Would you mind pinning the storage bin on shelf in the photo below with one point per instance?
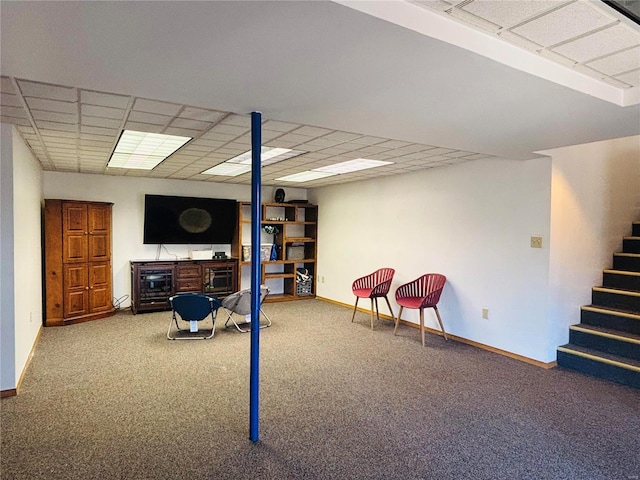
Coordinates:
(303, 282)
(295, 252)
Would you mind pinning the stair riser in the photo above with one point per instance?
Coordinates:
(597, 369)
(616, 322)
(635, 231)
(624, 282)
(630, 264)
(630, 303)
(631, 245)
(605, 344)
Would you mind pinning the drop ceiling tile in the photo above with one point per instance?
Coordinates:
(17, 112)
(290, 140)
(150, 118)
(44, 90)
(203, 115)
(100, 111)
(217, 137)
(618, 63)
(54, 116)
(99, 130)
(507, 14)
(143, 127)
(393, 144)
(84, 142)
(471, 19)
(59, 140)
(575, 19)
(632, 78)
(190, 124)
(183, 132)
(153, 106)
(104, 99)
(6, 86)
(342, 136)
(600, 43)
(57, 133)
(51, 105)
(100, 138)
(283, 127)
(439, 151)
(101, 122)
(233, 130)
(10, 100)
(368, 140)
(15, 120)
(56, 126)
(311, 131)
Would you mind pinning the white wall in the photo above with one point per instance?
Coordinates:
(127, 196)
(21, 297)
(8, 377)
(595, 195)
(471, 222)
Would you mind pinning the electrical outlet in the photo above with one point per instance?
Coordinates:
(323, 279)
(485, 313)
(536, 241)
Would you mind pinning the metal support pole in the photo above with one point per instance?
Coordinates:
(256, 206)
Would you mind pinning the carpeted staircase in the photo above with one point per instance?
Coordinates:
(606, 342)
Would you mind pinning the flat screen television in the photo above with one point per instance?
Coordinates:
(188, 220)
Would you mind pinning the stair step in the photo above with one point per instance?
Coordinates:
(606, 340)
(635, 229)
(631, 244)
(626, 261)
(615, 298)
(599, 364)
(610, 318)
(621, 279)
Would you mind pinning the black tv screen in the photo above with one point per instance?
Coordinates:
(188, 220)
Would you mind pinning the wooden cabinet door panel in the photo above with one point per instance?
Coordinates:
(99, 287)
(74, 217)
(99, 247)
(99, 219)
(74, 232)
(76, 293)
(75, 248)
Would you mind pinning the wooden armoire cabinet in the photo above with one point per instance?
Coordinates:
(77, 259)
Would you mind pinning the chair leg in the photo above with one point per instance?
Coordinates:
(354, 309)
(422, 325)
(440, 322)
(397, 320)
(376, 302)
(390, 309)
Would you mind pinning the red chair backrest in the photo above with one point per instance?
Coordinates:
(379, 281)
(428, 286)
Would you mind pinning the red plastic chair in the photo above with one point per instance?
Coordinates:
(423, 292)
(374, 285)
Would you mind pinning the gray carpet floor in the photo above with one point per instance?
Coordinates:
(114, 399)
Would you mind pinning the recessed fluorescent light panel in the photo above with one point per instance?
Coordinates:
(335, 169)
(144, 151)
(352, 166)
(305, 176)
(242, 163)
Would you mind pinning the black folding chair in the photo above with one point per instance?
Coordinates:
(188, 310)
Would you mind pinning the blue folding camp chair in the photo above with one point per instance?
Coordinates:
(188, 310)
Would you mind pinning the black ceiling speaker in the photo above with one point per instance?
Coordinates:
(279, 196)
